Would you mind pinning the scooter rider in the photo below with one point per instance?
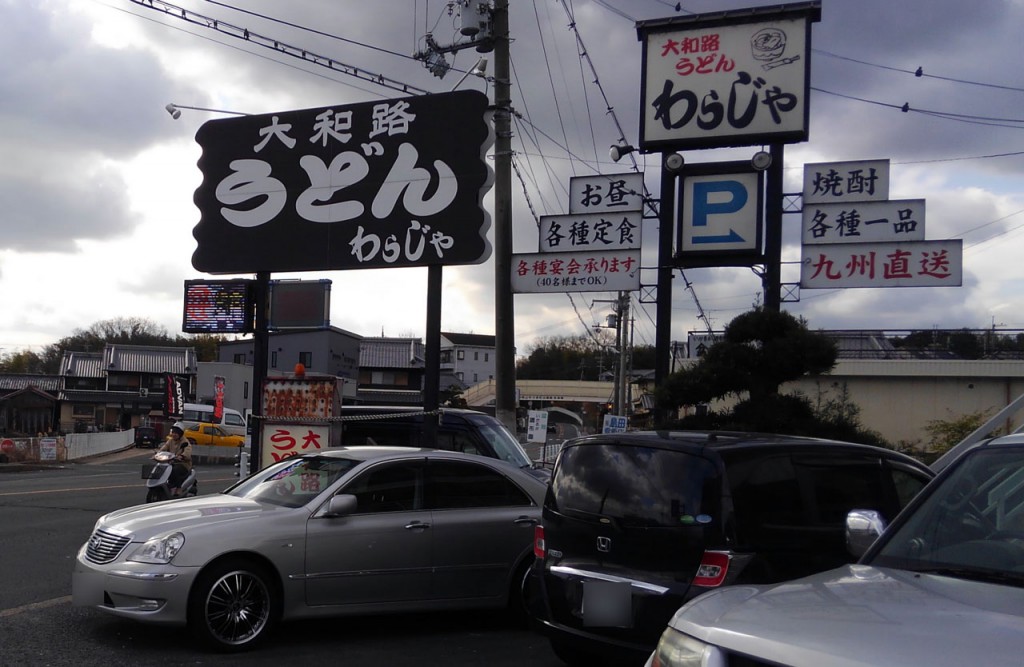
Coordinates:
(178, 445)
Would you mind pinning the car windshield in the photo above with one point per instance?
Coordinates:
(969, 526)
(293, 482)
(505, 445)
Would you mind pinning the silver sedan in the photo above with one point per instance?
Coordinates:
(343, 531)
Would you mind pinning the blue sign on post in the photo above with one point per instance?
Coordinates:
(721, 209)
(614, 424)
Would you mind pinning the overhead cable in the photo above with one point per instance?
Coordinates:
(278, 46)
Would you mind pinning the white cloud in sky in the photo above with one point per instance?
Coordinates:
(96, 180)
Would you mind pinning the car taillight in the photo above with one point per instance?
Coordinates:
(538, 542)
(712, 570)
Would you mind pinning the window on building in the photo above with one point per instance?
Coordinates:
(245, 390)
(238, 358)
(487, 356)
(446, 356)
(475, 378)
(273, 359)
(306, 359)
(461, 354)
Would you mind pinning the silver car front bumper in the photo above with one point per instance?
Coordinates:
(141, 591)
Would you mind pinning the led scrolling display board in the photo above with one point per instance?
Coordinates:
(218, 306)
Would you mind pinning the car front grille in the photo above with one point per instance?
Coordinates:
(104, 547)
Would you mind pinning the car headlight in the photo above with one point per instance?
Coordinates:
(678, 650)
(159, 549)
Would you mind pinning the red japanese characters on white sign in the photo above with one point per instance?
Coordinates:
(609, 271)
(911, 264)
(281, 441)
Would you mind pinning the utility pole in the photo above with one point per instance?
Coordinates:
(496, 37)
(504, 305)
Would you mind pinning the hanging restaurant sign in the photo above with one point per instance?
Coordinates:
(734, 78)
(395, 183)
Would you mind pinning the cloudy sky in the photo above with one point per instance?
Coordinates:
(97, 179)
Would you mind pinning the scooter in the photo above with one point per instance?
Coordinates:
(158, 476)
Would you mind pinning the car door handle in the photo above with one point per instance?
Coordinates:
(417, 524)
(530, 521)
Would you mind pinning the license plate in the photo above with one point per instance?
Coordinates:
(607, 604)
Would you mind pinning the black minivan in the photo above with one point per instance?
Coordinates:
(635, 524)
(455, 429)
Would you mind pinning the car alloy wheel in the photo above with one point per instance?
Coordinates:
(232, 606)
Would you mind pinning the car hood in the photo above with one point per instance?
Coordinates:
(860, 616)
(144, 521)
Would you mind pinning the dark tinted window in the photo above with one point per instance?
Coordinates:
(454, 485)
(383, 432)
(389, 487)
(635, 485)
(785, 499)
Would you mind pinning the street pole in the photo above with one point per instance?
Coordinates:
(504, 305)
(623, 314)
(261, 347)
(772, 280)
(663, 310)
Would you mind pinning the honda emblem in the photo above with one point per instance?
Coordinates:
(604, 544)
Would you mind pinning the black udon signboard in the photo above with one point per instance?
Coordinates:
(379, 184)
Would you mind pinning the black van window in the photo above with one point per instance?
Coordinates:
(841, 483)
(383, 433)
(639, 486)
(457, 441)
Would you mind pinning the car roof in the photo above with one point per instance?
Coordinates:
(372, 452)
(412, 409)
(728, 441)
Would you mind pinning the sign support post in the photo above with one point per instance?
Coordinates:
(663, 310)
(772, 279)
(261, 347)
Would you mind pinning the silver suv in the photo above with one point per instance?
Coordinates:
(943, 586)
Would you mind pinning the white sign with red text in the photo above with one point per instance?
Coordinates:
(605, 271)
(721, 85)
(910, 264)
(281, 441)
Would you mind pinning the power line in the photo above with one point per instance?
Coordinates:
(919, 72)
(946, 115)
(278, 46)
(312, 30)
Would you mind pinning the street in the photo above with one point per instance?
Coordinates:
(48, 513)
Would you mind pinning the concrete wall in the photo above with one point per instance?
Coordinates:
(84, 445)
(904, 396)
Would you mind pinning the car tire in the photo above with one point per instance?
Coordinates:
(233, 606)
(517, 609)
(573, 656)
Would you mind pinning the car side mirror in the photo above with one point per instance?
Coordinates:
(341, 505)
(862, 529)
